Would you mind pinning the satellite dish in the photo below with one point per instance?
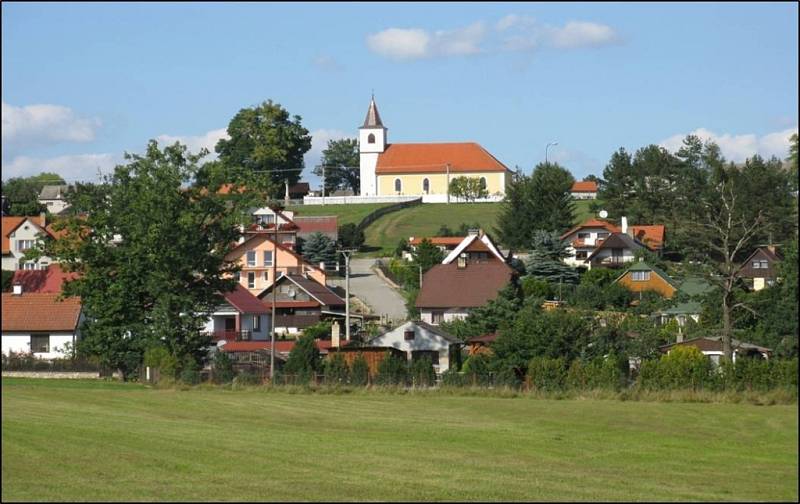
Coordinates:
(603, 214)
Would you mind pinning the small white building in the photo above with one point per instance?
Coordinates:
(418, 340)
(39, 323)
(52, 196)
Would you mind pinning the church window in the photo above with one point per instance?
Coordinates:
(426, 186)
(371, 138)
(398, 186)
(483, 182)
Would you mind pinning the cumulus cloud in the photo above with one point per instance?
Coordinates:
(80, 167)
(512, 32)
(195, 143)
(45, 124)
(737, 148)
(416, 43)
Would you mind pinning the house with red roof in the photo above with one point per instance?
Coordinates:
(49, 280)
(584, 189)
(18, 235)
(301, 301)
(584, 240)
(325, 224)
(39, 323)
(422, 169)
(240, 317)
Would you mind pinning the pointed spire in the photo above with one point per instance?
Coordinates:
(373, 119)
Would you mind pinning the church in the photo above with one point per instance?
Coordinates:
(422, 169)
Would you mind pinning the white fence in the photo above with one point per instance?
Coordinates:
(426, 198)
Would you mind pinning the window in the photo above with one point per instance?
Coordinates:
(256, 323)
(40, 343)
(433, 355)
(266, 276)
(251, 257)
(483, 182)
(44, 266)
(581, 254)
(24, 245)
(251, 280)
(437, 317)
(583, 236)
(267, 258)
(371, 138)
(398, 186)
(756, 264)
(426, 186)
(764, 264)
(408, 335)
(640, 276)
(29, 266)
(602, 236)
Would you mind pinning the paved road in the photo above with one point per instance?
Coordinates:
(370, 288)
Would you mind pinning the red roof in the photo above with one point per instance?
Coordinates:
(447, 286)
(50, 280)
(39, 312)
(439, 240)
(584, 186)
(652, 236)
(281, 346)
(9, 224)
(326, 224)
(434, 157)
(311, 287)
(593, 223)
(244, 302)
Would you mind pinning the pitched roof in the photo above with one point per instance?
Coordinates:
(652, 236)
(281, 346)
(244, 302)
(714, 344)
(592, 223)
(447, 286)
(9, 224)
(326, 224)
(437, 240)
(50, 280)
(643, 266)
(463, 157)
(468, 241)
(775, 256)
(316, 290)
(584, 186)
(243, 247)
(373, 118)
(616, 240)
(53, 192)
(695, 286)
(436, 330)
(39, 312)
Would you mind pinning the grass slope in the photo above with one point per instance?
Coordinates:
(346, 213)
(98, 441)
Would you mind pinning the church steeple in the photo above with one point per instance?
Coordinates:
(373, 119)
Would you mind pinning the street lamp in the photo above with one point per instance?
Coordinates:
(545, 150)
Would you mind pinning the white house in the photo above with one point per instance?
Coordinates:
(18, 235)
(241, 317)
(418, 340)
(584, 189)
(39, 323)
(52, 196)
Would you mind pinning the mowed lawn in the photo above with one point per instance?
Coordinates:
(98, 441)
(346, 213)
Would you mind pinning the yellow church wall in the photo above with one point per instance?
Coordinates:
(411, 183)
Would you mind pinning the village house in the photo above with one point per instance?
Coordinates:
(39, 323)
(21, 234)
(325, 224)
(53, 197)
(240, 317)
(585, 239)
(444, 243)
(417, 340)
(49, 280)
(761, 267)
(300, 301)
(584, 189)
(422, 169)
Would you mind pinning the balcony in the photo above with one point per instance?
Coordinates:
(299, 321)
(231, 335)
(610, 262)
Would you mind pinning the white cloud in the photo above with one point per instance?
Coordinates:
(524, 33)
(82, 167)
(416, 43)
(581, 34)
(737, 148)
(45, 124)
(195, 143)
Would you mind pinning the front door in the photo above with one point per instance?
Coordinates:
(230, 324)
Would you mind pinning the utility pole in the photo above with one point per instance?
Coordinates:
(274, 293)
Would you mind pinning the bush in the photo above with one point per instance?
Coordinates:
(158, 357)
(452, 378)
(336, 370)
(608, 372)
(392, 371)
(757, 374)
(350, 236)
(223, 368)
(548, 374)
(476, 370)
(190, 374)
(683, 367)
(246, 378)
(536, 287)
(304, 359)
(359, 372)
(422, 374)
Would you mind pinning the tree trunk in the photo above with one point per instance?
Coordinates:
(726, 328)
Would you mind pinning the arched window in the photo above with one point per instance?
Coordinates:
(426, 186)
(371, 138)
(483, 182)
(398, 186)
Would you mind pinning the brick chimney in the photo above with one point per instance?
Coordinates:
(461, 262)
(335, 331)
(624, 225)
(43, 218)
(17, 289)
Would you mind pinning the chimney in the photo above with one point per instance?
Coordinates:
(624, 224)
(43, 218)
(335, 334)
(462, 261)
(771, 248)
(17, 289)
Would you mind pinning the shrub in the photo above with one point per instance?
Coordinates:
(548, 374)
(683, 367)
(350, 236)
(608, 372)
(536, 287)
(223, 368)
(452, 378)
(304, 359)
(190, 374)
(246, 378)
(392, 371)
(476, 370)
(422, 374)
(359, 372)
(336, 370)
(158, 357)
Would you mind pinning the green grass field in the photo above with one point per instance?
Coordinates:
(346, 213)
(65, 440)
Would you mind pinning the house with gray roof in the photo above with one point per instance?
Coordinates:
(418, 339)
(53, 197)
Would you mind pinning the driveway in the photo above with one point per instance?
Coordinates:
(370, 288)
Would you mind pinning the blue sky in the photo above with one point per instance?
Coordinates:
(82, 83)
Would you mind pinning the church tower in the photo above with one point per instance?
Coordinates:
(371, 142)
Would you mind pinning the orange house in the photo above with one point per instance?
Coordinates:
(642, 277)
(256, 254)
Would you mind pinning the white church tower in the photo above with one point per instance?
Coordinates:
(371, 142)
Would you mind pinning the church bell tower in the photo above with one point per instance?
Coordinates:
(371, 142)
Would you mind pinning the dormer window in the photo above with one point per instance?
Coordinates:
(371, 138)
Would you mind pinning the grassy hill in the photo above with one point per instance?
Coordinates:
(66, 440)
(346, 213)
